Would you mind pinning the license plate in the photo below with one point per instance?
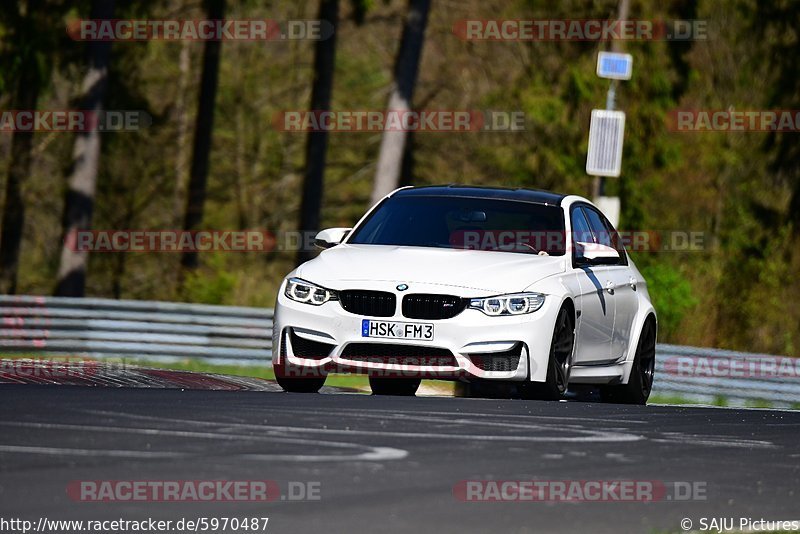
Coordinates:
(390, 329)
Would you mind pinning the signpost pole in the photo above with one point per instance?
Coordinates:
(599, 182)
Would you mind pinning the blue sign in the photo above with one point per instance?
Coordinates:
(614, 66)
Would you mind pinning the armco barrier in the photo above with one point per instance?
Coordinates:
(708, 374)
(143, 330)
(162, 331)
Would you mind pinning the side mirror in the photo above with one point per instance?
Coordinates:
(595, 254)
(331, 237)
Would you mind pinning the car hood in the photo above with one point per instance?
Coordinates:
(489, 271)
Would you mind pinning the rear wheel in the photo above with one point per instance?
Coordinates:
(404, 387)
(559, 364)
(640, 383)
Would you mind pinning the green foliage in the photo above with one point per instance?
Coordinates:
(740, 189)
(211, 284)
(672, 296)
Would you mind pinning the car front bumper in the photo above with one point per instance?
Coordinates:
(472, 338)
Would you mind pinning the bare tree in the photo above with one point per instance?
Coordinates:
(406, 68)
(317, 142)
(79, 202)
(198, 175)
(26, 97)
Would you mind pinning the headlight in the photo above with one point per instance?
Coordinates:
(299, 290)
(516, 304)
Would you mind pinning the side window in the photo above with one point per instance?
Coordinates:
(604, 233)
(601, 233)
(580, 226)
(616, 241)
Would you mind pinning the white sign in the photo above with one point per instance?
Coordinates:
(610, 206)
(614, 66)
(605, 143)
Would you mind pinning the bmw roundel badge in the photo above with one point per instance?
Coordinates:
(402, 287)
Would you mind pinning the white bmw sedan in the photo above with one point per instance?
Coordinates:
(519, 287)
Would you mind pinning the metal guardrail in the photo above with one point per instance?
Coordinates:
(164, 331)
(708, 374)
(143, 330)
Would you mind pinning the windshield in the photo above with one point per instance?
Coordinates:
(465, 223)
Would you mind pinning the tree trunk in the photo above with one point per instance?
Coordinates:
(26, 97)
(198, 175)
(317, 141)
(18, 170)
(393, 143)
(79, 202)
(182, 120)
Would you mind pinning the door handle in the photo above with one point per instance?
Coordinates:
(632, 283)
(610, 287)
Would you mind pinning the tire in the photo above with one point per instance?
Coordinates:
(487, 389)
(403, 387)
(299, 380)
(640, 383)
(559, 363)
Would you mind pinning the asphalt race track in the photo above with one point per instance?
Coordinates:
(387, 464)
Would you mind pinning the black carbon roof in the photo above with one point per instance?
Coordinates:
(503, 193)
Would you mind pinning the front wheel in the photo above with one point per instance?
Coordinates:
(559, 363)
(404, 387)
(298, 379)
(640, 383)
